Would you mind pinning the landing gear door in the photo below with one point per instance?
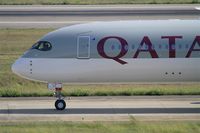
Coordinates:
(83, 47)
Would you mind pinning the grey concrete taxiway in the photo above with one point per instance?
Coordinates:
(119, 108)
(22, 16)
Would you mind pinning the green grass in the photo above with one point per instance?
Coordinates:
(93, 2)
(101, 127)
(15, 41)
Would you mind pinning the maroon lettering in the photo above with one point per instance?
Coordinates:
(124, 50)
(196, 40)
(149, 49)
(172, 42)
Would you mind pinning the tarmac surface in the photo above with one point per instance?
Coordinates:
(22, 16)
(117, 108)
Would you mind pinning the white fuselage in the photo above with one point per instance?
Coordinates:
(105, 70)
(136, 51)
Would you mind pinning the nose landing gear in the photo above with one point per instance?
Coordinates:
(60, 103)
(57, 87)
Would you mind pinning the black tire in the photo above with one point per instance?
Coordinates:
(60, 104)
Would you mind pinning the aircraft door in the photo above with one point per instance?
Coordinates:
(83, 47)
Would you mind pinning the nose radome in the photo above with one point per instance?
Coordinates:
(18, 67)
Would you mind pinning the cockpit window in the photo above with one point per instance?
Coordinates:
(42, 46)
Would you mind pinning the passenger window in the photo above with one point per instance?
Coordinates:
(42, 46)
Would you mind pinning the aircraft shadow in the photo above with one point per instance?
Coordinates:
(195, 103)
(102, 111)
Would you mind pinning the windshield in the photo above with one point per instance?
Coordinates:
(42, 46)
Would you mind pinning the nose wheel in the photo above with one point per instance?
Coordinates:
(60, 104)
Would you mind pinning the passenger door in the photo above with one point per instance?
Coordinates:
(83, 47)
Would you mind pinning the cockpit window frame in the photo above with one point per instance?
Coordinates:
(39, 43)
